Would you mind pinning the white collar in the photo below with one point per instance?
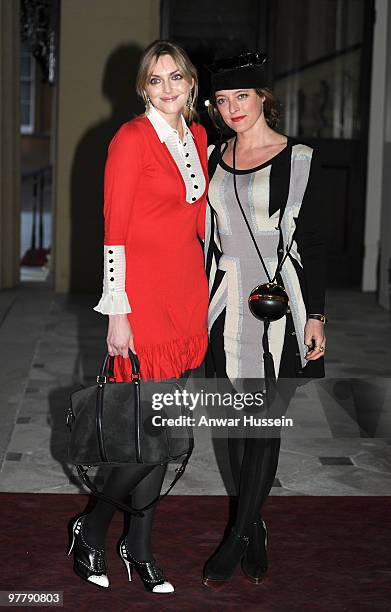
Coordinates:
(162, 127)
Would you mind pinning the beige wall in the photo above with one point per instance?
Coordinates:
(90, 31)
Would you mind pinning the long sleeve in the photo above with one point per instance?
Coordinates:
(310, 238)
(122, 176)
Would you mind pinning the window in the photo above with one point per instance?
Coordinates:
(27, 91)
(318, 68)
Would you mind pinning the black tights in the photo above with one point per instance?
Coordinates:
(143, 483)
(254, 465)
(253, 462)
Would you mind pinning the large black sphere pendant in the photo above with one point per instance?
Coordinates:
(268, 302)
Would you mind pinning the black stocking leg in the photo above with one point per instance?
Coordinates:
(140, 531)
(256, 487)
(120, 482)
(260, 462)
(257, 476)
(250, 504)
(235, 453)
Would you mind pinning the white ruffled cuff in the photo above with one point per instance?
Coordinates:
(113, 303)
(114, 299)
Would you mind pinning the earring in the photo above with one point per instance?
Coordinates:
(147, 102)
(190, 102)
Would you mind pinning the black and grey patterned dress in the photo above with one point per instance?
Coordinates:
(283, 204)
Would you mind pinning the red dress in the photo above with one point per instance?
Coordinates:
(145, 209)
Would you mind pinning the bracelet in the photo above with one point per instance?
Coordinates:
(319, 317)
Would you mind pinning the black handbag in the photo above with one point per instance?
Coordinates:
(112, 424)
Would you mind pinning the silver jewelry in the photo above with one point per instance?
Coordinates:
(147, 102)
(190, 101)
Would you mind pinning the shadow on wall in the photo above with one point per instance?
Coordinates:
(118, 87)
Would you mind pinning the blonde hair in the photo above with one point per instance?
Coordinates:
(185, 66)
(271, 109)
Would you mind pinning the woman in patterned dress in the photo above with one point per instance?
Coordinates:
(278, 183)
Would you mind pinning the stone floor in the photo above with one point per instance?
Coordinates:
(340, 445)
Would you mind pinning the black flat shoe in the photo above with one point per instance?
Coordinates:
(254, 562)
(222, 564)
(88, 563)
(151, 575)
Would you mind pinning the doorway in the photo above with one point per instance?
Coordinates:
(319, 63)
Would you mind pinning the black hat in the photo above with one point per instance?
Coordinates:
(244, 71)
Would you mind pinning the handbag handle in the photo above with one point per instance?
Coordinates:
(108, 365)
(83, 473)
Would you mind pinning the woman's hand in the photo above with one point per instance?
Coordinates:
(119, 336)
(315, 339)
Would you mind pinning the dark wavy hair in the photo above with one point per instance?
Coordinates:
(271, 109)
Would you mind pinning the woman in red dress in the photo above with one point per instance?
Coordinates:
(155, 290)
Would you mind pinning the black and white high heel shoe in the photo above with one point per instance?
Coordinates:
(151, 575)
(88, 563)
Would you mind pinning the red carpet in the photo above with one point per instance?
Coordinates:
(326, 553)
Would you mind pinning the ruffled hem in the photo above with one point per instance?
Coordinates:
(113, 303)
(169, 360)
